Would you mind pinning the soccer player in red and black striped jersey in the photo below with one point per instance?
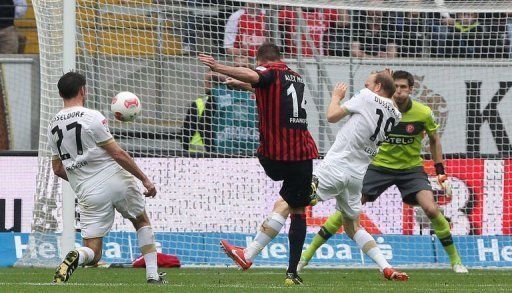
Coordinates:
(286, 150)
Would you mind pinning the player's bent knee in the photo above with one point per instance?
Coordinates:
(431, 211)
(281, 207)
(141, 221)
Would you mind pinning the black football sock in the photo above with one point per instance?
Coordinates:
(296, 237)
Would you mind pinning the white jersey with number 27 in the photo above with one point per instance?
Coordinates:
(76, 135)
(371, 119)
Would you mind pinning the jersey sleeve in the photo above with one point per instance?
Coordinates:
(267, 77)
(53, 146)
(99, 129)
(431, 124)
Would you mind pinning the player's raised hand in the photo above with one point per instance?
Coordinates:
(389, 71)
(150, 188)
(339, 91)
(207, 60)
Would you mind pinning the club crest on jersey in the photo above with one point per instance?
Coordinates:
(261, 68)
(409, 128)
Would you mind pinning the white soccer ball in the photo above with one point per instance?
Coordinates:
(125, 106)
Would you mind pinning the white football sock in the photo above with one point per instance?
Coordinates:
(146, 240)
(363, 238)
(274, 221)
(85, 255)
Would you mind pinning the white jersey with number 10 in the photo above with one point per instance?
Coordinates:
(76, 135)
(371, 119)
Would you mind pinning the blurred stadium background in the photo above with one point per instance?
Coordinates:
(458, 51)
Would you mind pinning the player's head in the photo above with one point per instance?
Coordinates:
(404, 82)
(268, 52)
(71, 85)
(381, 83)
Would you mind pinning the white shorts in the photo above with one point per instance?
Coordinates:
(334, 183)
(118, 192)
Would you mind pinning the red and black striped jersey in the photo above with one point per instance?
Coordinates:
(283, 126)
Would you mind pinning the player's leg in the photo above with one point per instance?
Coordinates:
(275, 221)
(349, 203)
(417, 190)
(88, 254)
(269, 229)
(328, 229)
(130, 204)
(146, 239)
(374, 183)
(96, 219)
(296, 191)
(425, 198)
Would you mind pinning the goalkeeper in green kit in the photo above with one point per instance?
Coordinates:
(399, 163)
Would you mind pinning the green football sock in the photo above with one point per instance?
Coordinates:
(442, 229)
(330, 227)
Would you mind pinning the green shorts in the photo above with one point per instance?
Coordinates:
(409, 182)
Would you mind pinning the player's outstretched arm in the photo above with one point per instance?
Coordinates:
(238, 85)
(124, 159)
(58, 169)
(243, 74)
(335, 112)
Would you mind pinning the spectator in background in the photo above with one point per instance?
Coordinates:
(316, 25)
(197, 134)
(9, 10)
(373, 35)
(462, 39)
(338, 38)
(410, 33)
(245, 31)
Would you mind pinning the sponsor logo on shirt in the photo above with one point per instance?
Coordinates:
(399, 140)
(76, 165)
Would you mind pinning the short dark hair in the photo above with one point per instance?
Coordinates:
(386, 81)
(401, 74)
(70, 84)
(268, 52)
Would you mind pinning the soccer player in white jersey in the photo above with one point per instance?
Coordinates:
(372, 114)
(101, 174)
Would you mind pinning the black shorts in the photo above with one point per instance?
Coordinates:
(296, 177)
(409, 182)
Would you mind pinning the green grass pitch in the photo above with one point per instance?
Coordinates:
(255, 280)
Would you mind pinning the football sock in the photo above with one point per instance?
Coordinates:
(330, 227)
(269, 229)
(85, 255)
(367, 244)
(296, 237)
(147, 246)
(442, 230)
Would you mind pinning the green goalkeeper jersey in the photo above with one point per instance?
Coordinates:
(402, 148)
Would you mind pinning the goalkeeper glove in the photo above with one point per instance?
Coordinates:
(442, 179)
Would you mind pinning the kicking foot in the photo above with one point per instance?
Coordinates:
(236, 253)
(392, 274)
